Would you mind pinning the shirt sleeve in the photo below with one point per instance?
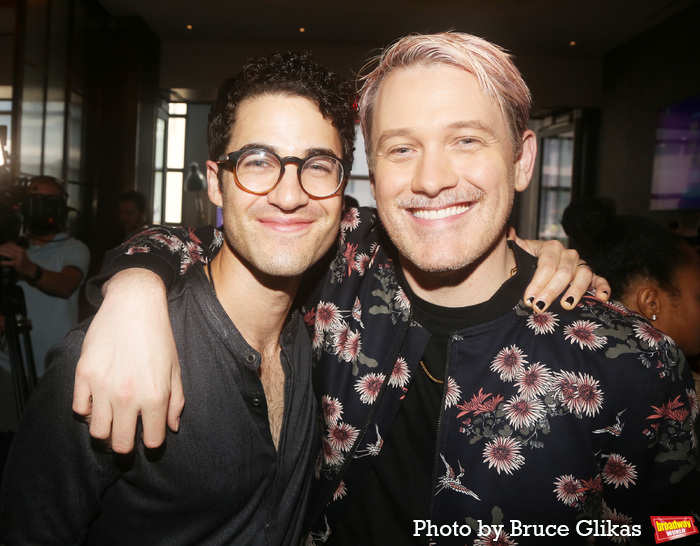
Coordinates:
(167, 251)
(55, 476)
(651, 468)
(77, 255)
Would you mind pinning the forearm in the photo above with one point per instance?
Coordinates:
(129, 365)
(60, 284)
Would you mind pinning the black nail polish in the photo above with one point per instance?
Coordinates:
(606, 292)
(540, 305)
(530, 300)
(570, 300)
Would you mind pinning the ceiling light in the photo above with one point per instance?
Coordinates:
(572, 43)
(189, 27)
(302, 29)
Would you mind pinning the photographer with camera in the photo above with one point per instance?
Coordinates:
(50, 266)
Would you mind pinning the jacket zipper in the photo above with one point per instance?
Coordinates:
(368, 421)
(436, 455)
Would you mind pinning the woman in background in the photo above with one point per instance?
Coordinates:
(651, 270)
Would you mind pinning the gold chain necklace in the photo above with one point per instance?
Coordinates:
(429, 375)
(513, 271)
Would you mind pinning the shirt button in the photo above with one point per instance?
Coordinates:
(250, 357)
(256, 402)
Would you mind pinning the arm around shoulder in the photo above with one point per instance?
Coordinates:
(129, 365)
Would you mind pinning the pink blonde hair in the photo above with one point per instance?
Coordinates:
(496, 73)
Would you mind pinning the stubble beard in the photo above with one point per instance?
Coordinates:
(265, 258)
(432, 255)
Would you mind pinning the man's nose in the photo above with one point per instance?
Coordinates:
(434, 173)
(288, 193)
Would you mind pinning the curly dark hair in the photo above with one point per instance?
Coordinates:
(293, 73)
(623, 248)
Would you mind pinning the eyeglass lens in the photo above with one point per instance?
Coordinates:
(259, 170)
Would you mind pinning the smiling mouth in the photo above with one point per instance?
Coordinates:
(432, 214)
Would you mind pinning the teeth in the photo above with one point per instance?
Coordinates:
(439, 214)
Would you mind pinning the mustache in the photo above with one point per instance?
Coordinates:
(445, 198)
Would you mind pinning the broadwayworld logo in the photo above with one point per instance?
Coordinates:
(668, 528)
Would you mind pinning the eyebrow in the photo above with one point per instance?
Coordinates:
(470, 124)
(308, 152)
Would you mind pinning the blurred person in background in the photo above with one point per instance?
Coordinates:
(652, 271)
(133, 212)
(50, 267)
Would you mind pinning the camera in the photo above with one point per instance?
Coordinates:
(38, 214)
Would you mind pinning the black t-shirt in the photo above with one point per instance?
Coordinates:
(399, 487)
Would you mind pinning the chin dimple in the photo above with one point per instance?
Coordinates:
(431, 214)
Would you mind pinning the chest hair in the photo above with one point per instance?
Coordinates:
(272, 377)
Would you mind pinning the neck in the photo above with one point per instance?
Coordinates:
(38, 240)
(473, 284)
(256, 303)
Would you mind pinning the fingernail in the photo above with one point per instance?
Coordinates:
(606, 292)
(530, 300)
(540, 305)
(570, 300)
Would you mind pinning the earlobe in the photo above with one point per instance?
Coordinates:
(648, 302)
(371, 186)
(525, 163)
(213, 187)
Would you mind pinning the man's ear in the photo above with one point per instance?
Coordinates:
(649, 302)
(371, 185)
(213, 187)
(525, 163)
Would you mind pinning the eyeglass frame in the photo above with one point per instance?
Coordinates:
(232, 159)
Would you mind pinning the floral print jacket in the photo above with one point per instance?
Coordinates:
(548, 418)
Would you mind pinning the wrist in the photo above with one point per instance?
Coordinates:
(36, 276)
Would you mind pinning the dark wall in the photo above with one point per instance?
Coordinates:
(659, 67)
(124, 144)
(85, 98)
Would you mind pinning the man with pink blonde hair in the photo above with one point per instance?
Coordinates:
(498, 77)
(452, 411)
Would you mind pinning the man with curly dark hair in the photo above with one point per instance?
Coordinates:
(281, 144)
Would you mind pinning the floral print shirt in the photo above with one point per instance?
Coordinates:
(580, 418)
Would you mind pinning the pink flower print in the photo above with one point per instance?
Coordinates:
(453, 393)
(522, 412)
(342, 436)
(543, 323)
(401, 299)
(646, 332)
(340, 491)
(350, 220)
(332, 409)
(568, 489)
(503, 454)
(534, 381)
(400, 374)
(619, 472)
(331, 456)
(579, 393)
(582, 332)
(352, 346)
(508, 363)
(369, 386)
(328, 316)
(362, 262)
